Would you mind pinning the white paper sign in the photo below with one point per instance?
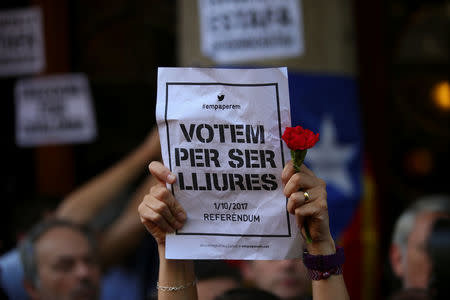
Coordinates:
(240, 30)
(21, 42)
(54, 110)
(220, 132)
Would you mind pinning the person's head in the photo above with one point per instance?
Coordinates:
(285, 278)
(438, 248)
(408, 254)
(214, 277)
(59, 261)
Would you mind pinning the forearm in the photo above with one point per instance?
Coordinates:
(160, 213)
(176, 273)
(332, 288)
(81, 205)
(126, 232)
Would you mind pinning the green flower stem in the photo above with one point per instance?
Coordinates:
(298, 156)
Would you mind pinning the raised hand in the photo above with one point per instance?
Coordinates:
(159, 211)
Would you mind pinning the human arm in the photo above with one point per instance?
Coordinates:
(85, 202)
(314, 211)
(125, 233)
(161, 213)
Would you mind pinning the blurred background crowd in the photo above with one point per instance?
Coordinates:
(371, 77)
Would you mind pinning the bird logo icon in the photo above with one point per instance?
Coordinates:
(220, 97)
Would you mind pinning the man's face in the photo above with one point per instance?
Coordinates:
(67, 268)
(285, 278)
(416, 263)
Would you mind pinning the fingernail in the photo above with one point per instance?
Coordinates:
(178, 225)
(171, 177)
(181, 216)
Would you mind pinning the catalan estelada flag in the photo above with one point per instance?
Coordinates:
(328, 104)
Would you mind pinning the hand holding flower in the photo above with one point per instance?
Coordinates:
(299, 140)
(314, 212)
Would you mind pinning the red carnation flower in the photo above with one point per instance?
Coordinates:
(298, 138)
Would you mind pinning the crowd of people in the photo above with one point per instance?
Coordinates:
(65, 257)
(123, 253)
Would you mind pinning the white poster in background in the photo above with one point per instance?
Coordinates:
(242, 30)
(21, 42)
(54, 110)
(220, 132)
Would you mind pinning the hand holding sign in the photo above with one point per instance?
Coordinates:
(159, 211)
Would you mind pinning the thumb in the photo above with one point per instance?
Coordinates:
(161, 172)
(163, 175)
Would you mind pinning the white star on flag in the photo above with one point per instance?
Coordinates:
(329, 160)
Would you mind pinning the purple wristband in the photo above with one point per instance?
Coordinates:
(324, 263)
(318, 275)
